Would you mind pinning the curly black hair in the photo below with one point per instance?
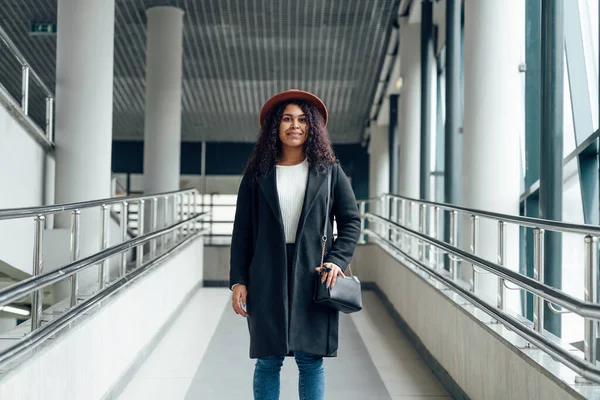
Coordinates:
(267, 150)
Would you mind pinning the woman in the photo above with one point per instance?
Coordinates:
(276, 243)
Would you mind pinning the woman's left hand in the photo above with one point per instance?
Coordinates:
(331, 276)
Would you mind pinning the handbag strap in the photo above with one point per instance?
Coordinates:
(324, 237)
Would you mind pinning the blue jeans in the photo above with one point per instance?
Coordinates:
(311, 383)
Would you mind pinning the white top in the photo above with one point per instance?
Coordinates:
(291, 188)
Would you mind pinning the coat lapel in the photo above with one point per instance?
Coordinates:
(268, 185)
(313, 188)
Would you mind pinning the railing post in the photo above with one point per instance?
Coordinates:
(165, 237)
(538, 274)
(408, 220)
(182, 215)
(192, 211)
(38, 267)
(421, 230)
(103, 270)
(501, 258)
(154, 226)
(140, 248)
(25, 90)
(453, 242)
(362, 207)
(402, 222)
(123, 226)
(474, 234)
(175, 198)
(75, 230)
(393, 217)
(590, 271)
(435, 256)
(50, 118)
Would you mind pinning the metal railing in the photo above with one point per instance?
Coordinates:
(28, 74)
(177, 226)
(396, 219)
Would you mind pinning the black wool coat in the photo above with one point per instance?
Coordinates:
(283, 318)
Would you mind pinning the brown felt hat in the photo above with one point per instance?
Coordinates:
(293, 94)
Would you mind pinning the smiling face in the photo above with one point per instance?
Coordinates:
(293, 128)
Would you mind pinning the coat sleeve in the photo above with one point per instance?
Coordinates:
(347, 216)
(242, 246)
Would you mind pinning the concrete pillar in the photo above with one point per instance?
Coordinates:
(409, 114)
(84, 100)
(493, 120)
(84, 117)
(379, 166)
(409, 121)
(162, 129)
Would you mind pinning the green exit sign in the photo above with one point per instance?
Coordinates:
(43, 29)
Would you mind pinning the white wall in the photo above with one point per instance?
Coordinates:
(85, 362)
(22, 176)
(218, 184)
(479, 356)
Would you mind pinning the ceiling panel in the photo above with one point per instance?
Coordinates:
(237, 53)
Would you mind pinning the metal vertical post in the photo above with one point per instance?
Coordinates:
(409, 225)
(140, 248)
(103, 270)
(192, 211)
(154, 226)
(453, 242)
(501, 258)
(393, 141)
(183, 200)
(165, 237)
(474, 234)
(38, 267)
(538, 274)
(175, 197)
(75, 230)
(123, 226)
(25, 90)
(402, 221)
(435, 257)
(421, 230)
(452, 166)
(426, 34)
(50, 118)
(551, 144)
(393, 217)
(590, 291)
(362, 207)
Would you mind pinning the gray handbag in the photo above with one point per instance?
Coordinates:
(346, 295)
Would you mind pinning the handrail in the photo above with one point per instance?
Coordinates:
(13, 48)
(34, 283)
(14, 213)
(582, 367)
(523, 221)
(583, 308)
(37, 336)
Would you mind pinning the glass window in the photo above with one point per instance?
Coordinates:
(568, 125)
(588, 13)
(572, 251)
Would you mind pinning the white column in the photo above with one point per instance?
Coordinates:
(379, 161)
(84, 99)
(162, 130)
(493, 120)
(84, 117)
(409, 113)
(379, 167)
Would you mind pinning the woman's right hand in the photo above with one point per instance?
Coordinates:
(238, 298)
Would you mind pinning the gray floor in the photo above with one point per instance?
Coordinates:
(226, 371)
